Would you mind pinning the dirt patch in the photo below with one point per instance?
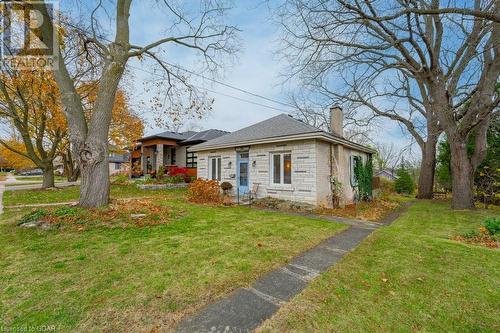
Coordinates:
(119, 214)
(375, 210)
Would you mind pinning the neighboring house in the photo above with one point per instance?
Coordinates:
(286, 159)
(118, 161)
(169, 149)
(388, 174)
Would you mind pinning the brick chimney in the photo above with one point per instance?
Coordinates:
(337, 121)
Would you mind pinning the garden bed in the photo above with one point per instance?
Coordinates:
(119, 214)
(487, 235)
(372, 211)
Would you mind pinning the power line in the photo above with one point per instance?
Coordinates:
(207, 78)
(216, 92)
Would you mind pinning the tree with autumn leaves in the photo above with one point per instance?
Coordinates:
(31, 104)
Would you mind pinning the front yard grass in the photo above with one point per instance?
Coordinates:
(139, 279)
(404, 278)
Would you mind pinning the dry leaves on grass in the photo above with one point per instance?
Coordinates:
(482, 240)
(366, 211)
(120, 213)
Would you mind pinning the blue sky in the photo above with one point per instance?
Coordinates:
(256, 68)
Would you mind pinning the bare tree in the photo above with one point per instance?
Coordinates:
(388, 156)
(203, 33)
(429, 67)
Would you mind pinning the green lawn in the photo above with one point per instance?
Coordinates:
(39, 178)
(404, 278)
(136, 279)
(72, 193)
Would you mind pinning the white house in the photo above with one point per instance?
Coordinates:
(285, 158)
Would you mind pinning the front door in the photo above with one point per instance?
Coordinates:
(242, 175)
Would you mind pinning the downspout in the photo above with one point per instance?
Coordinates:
(331, 175)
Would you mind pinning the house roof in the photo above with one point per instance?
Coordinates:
(188, 137)
(204, 136)
(390, 174)
(282, 127)
(169, 135)
(119, 158)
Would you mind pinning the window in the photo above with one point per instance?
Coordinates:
(117, 166)
(191, 160)
(353, 162)
(281, 165)
(214, 168)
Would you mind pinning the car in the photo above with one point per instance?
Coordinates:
(33, 172)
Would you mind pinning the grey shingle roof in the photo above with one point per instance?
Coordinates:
(119, 158)
(204, 136)
(188, 136)
(280, 126)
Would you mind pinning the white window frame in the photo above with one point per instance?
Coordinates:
(218, 167)
(282, 168)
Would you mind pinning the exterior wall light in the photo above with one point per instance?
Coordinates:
(254, 164)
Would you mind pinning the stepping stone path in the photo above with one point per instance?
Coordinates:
(246, 308)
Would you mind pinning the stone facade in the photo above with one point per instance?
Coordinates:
(311, 170)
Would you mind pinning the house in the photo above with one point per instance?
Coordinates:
(285, 158)
(118, 161)
(169, 149)
(386, 173)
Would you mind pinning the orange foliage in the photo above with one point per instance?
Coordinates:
(14, 160)
(205, 191)
(126, 127)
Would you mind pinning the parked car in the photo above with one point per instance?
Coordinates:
(33, 172)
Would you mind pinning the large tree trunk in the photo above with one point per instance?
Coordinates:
(94, 190)
(427, 169)
(48, 176)
(462, 175)
(92, 155)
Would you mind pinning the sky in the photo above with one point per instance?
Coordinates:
(257, 68)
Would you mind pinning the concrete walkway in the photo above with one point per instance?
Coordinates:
(246, 308)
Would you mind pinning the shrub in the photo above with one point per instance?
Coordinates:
(404, 183)
(363, 173)
(67, 211)
(386, 185)
(175, 171)
(33, 216)
(204, 191)
(174, 179)
(120, 178)
(492, 225)
(160, 173)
